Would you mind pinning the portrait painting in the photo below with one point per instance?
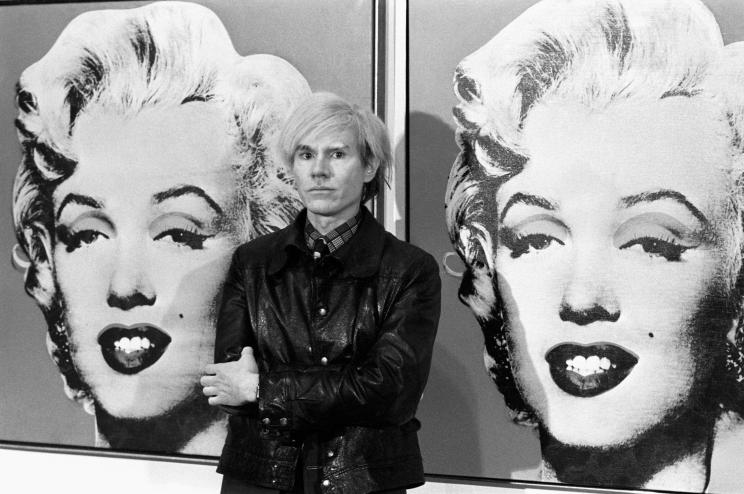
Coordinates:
(140, 151)
(594, 209)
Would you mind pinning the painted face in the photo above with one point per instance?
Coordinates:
(613, 262)
(329, 175)
(141, 251)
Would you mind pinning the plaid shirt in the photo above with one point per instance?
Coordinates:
(335, 238)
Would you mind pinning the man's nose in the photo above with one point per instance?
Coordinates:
(320, 167)
(589, 295)
(130, 285)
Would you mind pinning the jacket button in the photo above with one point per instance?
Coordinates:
(330, 454)
(324, 361)
(326, 483)
(283, 421)
(266, 421)
(322, 311)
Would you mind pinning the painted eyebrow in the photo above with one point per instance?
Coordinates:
(183, 190)
(530, 199)
(658, 195)
(77, 199)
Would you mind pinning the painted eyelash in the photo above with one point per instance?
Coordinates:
(519, 243)
(672, 252)
(73, 239)
(196, 242)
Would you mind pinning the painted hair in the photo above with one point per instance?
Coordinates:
(596, 52)
(158, 56)
(323, 113)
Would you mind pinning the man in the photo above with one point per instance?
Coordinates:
(326, 328)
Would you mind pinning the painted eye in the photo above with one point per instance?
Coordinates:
(527, 244)
(656, 247)
(74, 240)
(188, 238)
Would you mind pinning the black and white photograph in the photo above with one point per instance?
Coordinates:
(425, 246)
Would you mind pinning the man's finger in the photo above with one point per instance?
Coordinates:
(208, 380)
(210, 391)
(215, 400)
(248, 359)
(210, 369)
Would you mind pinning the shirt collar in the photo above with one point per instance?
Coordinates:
(360, 255)
(337, 237)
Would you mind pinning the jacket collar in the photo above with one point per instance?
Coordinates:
(360, 256)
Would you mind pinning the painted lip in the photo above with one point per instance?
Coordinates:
(589, 370)
(131, 349)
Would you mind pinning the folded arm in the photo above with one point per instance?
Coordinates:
(384, 387)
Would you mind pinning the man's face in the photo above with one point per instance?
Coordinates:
(329, 175)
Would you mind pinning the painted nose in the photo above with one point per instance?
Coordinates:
(589, 295)
(130, 286)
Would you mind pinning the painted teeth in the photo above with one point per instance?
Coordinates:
(134, 344)
(586, 366)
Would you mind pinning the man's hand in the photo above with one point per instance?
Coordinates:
(232, 383)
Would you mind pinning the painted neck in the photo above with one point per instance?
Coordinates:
(192, 428)
(208, 441)
(688, 474)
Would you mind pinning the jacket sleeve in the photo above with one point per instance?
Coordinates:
(384, 387)
(233, 324)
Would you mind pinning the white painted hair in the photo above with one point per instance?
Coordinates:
(125, 61)
(596, 53)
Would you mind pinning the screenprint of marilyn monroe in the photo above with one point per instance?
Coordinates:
(597, 202)
(147, 158)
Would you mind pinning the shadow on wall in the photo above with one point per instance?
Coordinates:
(466, 429)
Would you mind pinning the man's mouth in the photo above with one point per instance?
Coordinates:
(589, 370)
(130, 349)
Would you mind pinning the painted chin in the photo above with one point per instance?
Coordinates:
(131, 349)
(589, 370)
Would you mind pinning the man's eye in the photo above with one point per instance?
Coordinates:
(304, 156)
(337, 155)
(656, 247)
(527, 244)
(188, 238)
(73, 240)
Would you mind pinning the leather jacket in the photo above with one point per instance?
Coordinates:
(344, 348)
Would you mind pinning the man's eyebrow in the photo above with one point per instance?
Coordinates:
(662, 194)
(77, 199)
(301, 148)
(182, 190)
(530, 199)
